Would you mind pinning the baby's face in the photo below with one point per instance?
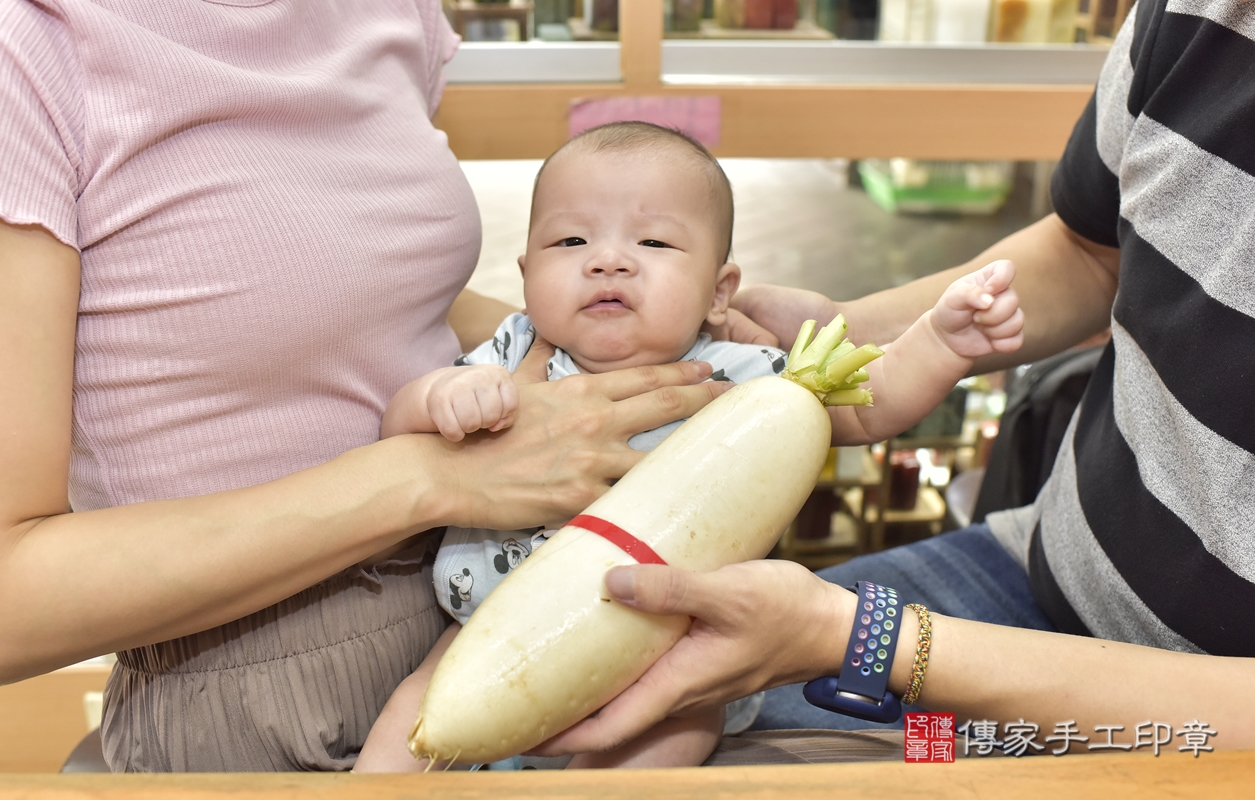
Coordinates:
(623, 257)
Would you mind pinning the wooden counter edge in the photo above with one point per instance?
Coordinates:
(1112, 776)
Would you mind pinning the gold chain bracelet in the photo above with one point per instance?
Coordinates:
(921, 654)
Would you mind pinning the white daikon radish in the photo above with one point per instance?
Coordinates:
(547, 647)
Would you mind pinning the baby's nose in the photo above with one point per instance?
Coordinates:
(611, 261)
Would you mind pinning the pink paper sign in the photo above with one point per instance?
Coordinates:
(698, 116)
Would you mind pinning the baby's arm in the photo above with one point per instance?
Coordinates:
(977, 315)
(385, 748)
(453, 401)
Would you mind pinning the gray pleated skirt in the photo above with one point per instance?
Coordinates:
(293, 687)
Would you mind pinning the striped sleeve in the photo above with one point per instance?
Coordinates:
(40, 121)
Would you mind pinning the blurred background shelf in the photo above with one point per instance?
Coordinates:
(803, 29)
(893, 492)
(500, 21)
(930, 508)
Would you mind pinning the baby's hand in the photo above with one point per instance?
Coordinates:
(980, 313)
(463, 400)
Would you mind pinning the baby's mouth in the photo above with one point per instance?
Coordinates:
(607, 301)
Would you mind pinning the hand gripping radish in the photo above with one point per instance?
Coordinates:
(547, 647)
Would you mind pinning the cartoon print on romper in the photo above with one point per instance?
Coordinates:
(513, 551)
(777, 362)
(540, 537)
(512, 554)
(500, 346)
(460, 588)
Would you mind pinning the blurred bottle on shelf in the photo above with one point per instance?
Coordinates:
(1034, 21)
(784, 14)
(602, 15)
(857, 19)
(952, 21)
(684, 15)
(730, 13)
(1023, 21)
(814, 520)
(959, 21)
(903, 480)
(756, 14)
(1063, 21)
(906, 21)
(759, 13)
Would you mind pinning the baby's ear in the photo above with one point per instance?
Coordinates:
(523, 264)
(726, 282)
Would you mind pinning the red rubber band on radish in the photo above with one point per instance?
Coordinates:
(618, 537)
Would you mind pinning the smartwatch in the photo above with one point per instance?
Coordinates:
(862, 690)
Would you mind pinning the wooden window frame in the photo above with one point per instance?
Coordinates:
(970, 121)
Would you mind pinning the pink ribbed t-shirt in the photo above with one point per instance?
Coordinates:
(271, 229)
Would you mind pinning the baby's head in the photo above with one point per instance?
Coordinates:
(627, 254)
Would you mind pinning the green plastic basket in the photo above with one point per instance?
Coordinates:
(909, 186)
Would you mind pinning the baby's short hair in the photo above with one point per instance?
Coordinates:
(646, 135)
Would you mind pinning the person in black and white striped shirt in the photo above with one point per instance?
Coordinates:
(1142, 542)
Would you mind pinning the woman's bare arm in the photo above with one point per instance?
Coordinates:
(81, 584)
(1065, 282)
(77, 585)
(474, 318)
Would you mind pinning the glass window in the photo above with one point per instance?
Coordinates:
(881, 41)
(524, 20)
(940, 21)
(534, 41)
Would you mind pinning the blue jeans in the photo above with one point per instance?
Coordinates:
(964, 573)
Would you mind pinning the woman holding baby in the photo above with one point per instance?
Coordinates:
(221, 255)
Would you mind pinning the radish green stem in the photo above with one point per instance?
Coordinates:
(830, 367)
(803, 336)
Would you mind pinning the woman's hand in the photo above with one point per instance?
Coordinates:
(756, 625)
(568, 443)
(781, 310)
(739, 328)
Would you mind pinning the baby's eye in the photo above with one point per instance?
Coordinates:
(654, 243)
(571, 241)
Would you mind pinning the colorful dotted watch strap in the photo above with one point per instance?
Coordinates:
(869, 655)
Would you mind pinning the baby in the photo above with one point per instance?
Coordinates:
(627, 258)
